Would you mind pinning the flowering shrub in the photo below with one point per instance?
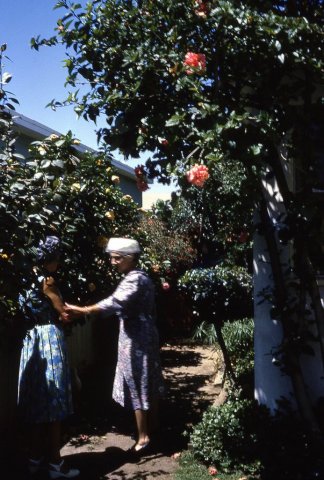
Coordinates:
(197, 175)
(196, 63)
(166, 255)
(56, 190)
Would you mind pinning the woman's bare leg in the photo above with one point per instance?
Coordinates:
(141, 417)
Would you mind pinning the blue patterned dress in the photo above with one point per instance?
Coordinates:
(44, 388)
(138, 378)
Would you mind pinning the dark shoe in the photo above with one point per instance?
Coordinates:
(139, 450)
(59, 471)
(34, 466)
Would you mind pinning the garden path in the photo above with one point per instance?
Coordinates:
(190, 377)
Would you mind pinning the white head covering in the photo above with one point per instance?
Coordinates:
(124, 246)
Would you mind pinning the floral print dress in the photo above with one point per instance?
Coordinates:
(138, 378)
(44, 386)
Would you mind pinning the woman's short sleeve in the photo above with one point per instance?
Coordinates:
(124, 295)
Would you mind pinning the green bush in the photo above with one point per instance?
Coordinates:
(55, 190)
(220, 293)
(239, 338)
(241, 435)
(227, 436)
(205, 333)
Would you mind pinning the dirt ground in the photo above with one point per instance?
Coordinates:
(99, 446)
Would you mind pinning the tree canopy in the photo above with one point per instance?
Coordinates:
(212, 87)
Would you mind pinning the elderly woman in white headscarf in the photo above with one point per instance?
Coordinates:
(138, 382)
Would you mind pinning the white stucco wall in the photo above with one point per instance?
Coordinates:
(271, 383)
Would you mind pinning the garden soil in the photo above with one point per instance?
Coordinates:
(99, 444)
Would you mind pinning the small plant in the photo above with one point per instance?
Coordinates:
(239, 337)
(205, 333)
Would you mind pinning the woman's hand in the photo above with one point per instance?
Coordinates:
(65, 317)
(74, 311)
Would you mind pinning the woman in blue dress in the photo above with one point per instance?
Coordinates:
(138, 382)
(44, 389)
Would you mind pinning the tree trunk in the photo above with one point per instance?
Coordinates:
(227, 360)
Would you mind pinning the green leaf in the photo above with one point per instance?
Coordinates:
(174, 120)
(59, 143)
(45, 164)
(58, 163)
(6, 77)
(59, 4)
(38, 176)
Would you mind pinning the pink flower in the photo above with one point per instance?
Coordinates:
(212, 471)
(243, 237)
(202, 9)
(139, 171)
(166, 286)
(142, 185)
(196, 62)
(197, 175)
(163, 141)
(176, 455)
(141, 181)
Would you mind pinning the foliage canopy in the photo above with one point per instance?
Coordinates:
(217, 83)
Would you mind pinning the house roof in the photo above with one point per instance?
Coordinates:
(37, 130)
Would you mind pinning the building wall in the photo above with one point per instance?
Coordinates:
(130, 188)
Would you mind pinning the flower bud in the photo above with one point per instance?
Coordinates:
(110, 215)
(115, 179)
(165, 286)
(76, 187)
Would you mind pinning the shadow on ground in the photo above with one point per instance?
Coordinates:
(182, 407)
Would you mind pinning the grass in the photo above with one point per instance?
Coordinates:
(191, 469)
